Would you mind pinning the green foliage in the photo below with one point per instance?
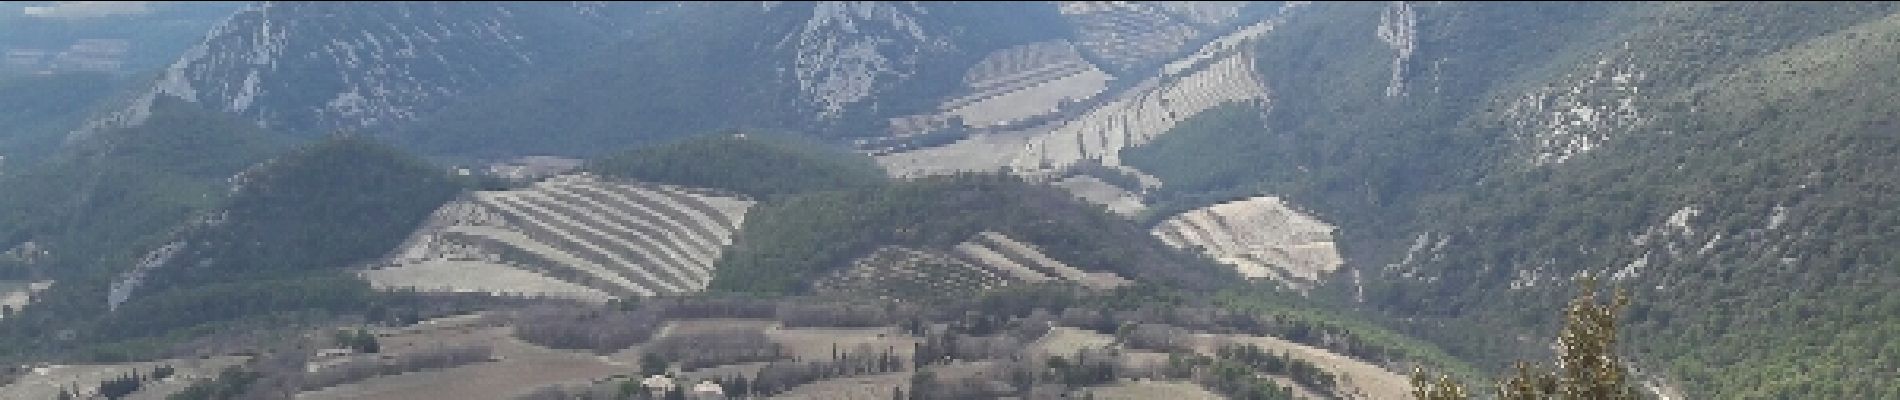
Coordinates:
(1588, 367)
(1754, 106)
(1783, 122)
(37, 112)
(786, 243)
(272, 253)
(762, 166)
(360, 340)
(96, 201)
(332, 204)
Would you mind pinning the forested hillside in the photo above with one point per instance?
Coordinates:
(1709, 156)
(791, 241)
(1401, 183)
(36, 112)
(758, 165)
(276, 247)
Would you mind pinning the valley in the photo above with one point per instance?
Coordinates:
(888, 200)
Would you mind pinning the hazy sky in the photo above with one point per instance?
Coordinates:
(87, 9)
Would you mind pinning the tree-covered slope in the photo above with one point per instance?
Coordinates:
(37, 111)
(785, 244)
(1721, 159)
(91, 203)
(763, 166)
(276, 247)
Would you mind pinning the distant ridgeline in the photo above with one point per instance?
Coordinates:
(1443, 169)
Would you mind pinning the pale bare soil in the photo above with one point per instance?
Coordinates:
(520, 367)
(1149, 390)
(46, 382)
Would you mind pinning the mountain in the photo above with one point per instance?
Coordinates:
(315, 68)
(1404, 183)
(1499, 150)
(123, 38)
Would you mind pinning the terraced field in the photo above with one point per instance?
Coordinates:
(1261, 237)
(1141, 114)
(1126, 35)
(988, 260)
(1217, 73)
(574, 236)
(1025, 81)
(1094, 190)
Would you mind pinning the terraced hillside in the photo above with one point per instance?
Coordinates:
(986, 261)
(1219, 72)
(576, 236)
(287, 66)
(1128, 35)
(1262, 237)
(1025, 81)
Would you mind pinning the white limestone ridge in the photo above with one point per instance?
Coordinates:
(1262, 237)
(1579, 112)
(1398, 28)
(576, 236)
(121, 289)
(841, 51)
(321, 67)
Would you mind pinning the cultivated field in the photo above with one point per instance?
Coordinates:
(1025, 81)
(519, 367)
(574, 236)
(1357, 379)
(1128, 34)
(987, 260)
(1261, 237)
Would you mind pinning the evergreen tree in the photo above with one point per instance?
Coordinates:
(1587, 365)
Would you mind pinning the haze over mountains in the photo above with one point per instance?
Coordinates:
(1366, 187)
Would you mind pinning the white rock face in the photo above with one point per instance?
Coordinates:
(301, 66)
(1261, 237)
(1398, 27)
(847, 48)
(575, 236)
(18, 295)
(121, 289)
(1581, 112)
